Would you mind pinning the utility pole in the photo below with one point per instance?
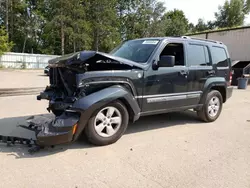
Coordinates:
(11, 28)
(7, 18)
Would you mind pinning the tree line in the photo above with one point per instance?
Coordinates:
(66, 26)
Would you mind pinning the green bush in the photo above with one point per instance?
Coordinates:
(5, 46)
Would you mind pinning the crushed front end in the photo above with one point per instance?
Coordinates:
(61, 94)
(50, 129)
(79, 84)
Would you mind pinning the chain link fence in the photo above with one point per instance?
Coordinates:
(24, 60)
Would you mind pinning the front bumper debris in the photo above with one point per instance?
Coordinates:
(49, 131)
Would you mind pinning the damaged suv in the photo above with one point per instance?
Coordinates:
(99, 94)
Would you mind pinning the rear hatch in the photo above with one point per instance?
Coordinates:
(222, 63)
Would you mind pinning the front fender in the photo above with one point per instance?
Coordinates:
(89, 104)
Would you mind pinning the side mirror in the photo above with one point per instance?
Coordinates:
(166, 61)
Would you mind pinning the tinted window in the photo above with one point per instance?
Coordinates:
(207, 55)
(175, 49)
(136, 50)
(198, 55)
(219, 56)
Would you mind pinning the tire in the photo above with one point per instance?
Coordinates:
(210, 113)
(101, 131)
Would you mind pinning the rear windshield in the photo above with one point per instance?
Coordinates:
(136, 50)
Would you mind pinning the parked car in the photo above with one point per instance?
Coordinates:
(99, 94)
(46, 70)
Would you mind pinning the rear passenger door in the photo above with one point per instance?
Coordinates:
(200, 67)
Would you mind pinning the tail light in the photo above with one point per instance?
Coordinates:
(230, 78)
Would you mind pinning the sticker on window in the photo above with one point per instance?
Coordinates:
(154, 42)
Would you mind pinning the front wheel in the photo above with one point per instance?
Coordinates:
(212, 108)
(107, 124)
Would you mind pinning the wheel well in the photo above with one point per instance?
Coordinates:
(222, 91)
(130, 110)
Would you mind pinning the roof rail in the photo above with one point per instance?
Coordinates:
(207, 40)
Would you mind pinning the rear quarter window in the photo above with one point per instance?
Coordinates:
(220, 58)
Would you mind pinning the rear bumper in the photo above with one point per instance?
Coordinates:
(229, 92)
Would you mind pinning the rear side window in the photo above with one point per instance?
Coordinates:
(198, 55)
(219, 56)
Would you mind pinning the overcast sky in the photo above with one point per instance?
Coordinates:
(195, 9)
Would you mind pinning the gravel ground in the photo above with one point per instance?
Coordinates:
(23, 78)
(174, 150)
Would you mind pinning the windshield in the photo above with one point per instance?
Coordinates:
(136, 50)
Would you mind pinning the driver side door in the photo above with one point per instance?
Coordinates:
(166, 88)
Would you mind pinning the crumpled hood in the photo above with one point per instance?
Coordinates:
(83, 57)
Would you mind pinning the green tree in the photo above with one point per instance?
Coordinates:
(201, 25)
(104, 23)
(211, 25)
(232, 13)
(58, 19)
(22, 23)
(191, 28)
(5, 46)
(140, 18)
(124, 10)
(79, 30)
(66, 28)
(156, 27)
(175, 23)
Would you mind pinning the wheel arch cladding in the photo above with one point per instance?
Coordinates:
(222, 91)
(132, 115)
(214, 83)
(89, 104)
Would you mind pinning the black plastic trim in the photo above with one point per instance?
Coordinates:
(89, 104)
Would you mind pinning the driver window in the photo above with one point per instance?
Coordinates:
(177, 50)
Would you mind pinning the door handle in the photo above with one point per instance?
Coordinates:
(183, 72)
(211, 72)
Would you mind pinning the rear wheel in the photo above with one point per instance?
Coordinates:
(107, 124)
(211, 110)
